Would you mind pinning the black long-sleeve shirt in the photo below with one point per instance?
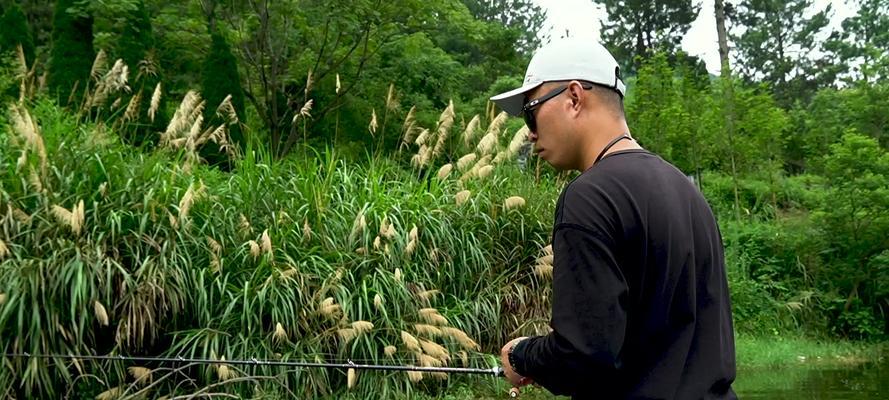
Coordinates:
(640, 300)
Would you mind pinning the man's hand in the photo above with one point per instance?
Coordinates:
(510, 374)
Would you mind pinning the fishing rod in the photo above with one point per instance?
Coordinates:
(493, 371)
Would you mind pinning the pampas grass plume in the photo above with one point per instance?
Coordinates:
(362, 326)
(266, 242)
(427, 330)
(101, 314)
(466, 160)
(307, 230)
(254, 248)
(410, 341)
(346, 334)
(485, 171)
(351, 378)
(461, 337)
(513, 202)
(548, 250)
(445, 170)
(470, 131)
(378, 301)
(155, 102)
(434, 349)
(415, 376)
(462, 196)
(543, 270)
(142, 375)
(110, 394)
(546, 259)
(372, 127)
(280, 334)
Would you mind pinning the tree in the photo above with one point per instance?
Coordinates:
(14, 31)
(854, 219)
(39, 14)
(487, 48)
(863, 43)
(521, 16)
(136, 38)
(775, 43)
(72, 53)
(279, 47)
(136, 46)
(219, 80)
(636, 28)
(653, 102)
(672, 114)
(863, 107)
(729, 96)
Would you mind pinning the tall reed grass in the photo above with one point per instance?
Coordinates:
(108, 250)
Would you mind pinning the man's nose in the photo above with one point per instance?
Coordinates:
(532, 136)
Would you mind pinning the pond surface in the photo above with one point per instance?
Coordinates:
(866, 381)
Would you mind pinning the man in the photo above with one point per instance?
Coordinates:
(640, 299)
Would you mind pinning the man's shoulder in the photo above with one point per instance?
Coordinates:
(636, 171)
(631, 179)
(618, 172)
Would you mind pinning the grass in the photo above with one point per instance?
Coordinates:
(784, 352)
(111, 250)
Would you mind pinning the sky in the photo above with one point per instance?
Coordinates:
(582, 19)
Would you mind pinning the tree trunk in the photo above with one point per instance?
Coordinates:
(729, 91)
(723, 41)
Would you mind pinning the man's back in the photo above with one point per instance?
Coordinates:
(640, 300)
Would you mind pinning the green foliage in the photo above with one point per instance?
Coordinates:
(72, 53)
(522, 17)
(182, 41)
(654, 102)
(168, 253)
(773, 31)
(637, 29)
(220, 79)
(854, 218)
(860, 48)
(39, 14)
(14, 31)
(126, 27)
(862, 107)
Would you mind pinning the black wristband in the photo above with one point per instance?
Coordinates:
(513, 358)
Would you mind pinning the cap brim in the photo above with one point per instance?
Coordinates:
(513, 100)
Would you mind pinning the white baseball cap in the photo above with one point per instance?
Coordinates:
(564, 60)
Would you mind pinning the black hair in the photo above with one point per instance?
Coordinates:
(611, 98)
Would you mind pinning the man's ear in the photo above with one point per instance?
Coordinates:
(577, 95)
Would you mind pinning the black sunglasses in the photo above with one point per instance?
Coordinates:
(529, 107)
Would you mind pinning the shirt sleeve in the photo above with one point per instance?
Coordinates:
(588, 318)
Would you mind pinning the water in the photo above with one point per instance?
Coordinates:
(867, 381)
(803, 381)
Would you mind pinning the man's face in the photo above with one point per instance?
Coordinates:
(552, 141)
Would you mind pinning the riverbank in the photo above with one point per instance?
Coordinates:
(778, 351)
